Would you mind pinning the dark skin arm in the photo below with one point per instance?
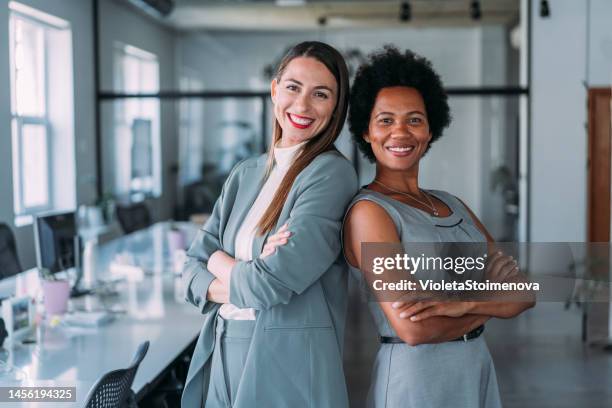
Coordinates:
(423, 310)
(368, 222)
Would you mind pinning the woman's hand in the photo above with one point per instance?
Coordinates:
(220, 264)
(281, 237)
(501, 268)
(425, 309)
(218, 292)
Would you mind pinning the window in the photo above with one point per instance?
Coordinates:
(42, 138)
(137, 137)
(191, 120)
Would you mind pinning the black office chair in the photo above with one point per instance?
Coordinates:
(9, 261)
(114, 389)
(133, 217)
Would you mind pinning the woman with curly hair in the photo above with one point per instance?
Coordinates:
(431, 354)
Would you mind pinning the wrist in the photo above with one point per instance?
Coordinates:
(213, 261)
(225, 271)
(471, 307)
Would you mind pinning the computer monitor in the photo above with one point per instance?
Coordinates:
(57, 243)
(9, 260)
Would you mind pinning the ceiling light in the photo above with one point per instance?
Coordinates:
(475, 11)
(405, 13)
(544, 9)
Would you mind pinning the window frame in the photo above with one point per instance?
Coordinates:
(18, 121)
(123, 122)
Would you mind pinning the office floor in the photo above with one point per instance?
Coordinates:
(539, 357)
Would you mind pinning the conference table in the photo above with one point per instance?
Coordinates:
(146, 302)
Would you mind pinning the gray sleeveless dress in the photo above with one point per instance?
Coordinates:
(451, 374)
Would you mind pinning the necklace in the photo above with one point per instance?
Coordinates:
(430, 206)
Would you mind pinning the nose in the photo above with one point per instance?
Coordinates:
(401, 129)
(301, 104)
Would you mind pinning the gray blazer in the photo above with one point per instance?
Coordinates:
(299, 292)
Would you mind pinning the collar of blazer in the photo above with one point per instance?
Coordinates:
(250, 183)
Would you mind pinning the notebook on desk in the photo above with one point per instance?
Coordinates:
(88, 319)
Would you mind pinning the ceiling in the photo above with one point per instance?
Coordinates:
(195, 15)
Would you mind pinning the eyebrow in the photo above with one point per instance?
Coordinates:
(316, 87)
(391, 113)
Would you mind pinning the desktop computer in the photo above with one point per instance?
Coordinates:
(58, 246)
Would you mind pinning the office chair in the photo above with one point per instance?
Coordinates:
(114, 389)
(133, 217)
(9, 261)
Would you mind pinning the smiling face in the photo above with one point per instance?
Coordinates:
(304, 99)
(398, 130)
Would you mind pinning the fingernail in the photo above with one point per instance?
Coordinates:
(403, 315)
(414, 318)
(395, 305)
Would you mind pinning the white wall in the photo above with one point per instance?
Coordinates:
(79, 14)
(600, 43)
(570, 49)
(558, 118)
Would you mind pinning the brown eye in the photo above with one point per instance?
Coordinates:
(416, 121)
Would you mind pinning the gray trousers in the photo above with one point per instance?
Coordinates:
(232, 342)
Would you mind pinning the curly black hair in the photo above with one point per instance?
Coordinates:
(388, 68)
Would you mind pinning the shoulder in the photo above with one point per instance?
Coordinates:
(368, 213)
(331, 170)
(366, 221)
(332, 161)
(244, 166)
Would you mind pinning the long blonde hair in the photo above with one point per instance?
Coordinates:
(324, 141)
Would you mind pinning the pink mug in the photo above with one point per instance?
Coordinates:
(176, 240)
(56, 294)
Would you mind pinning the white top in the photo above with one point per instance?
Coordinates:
(283, 158)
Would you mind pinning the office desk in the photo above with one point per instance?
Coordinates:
(151, 308)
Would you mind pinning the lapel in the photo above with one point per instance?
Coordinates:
(258, 243)
(248, 190)
(259, 240)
